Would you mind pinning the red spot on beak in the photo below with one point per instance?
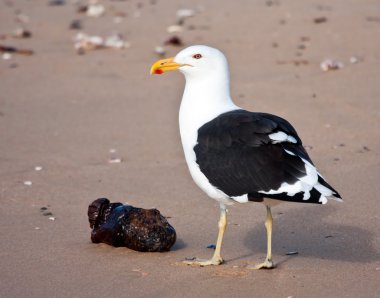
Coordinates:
(158, 71)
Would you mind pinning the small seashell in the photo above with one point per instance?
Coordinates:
(174, 29)
(6, 56)
(38, 168)
(21, 33)
(143, 274)
(22, 18)
(160, 50)
(291, 253)
(116, 41)
(28, 183)
(84, 42)
(96, 40)
(331, 64)
(184, 13)
(37, 228)
(52, 218)
(95, 10)
(355, 59)
(115, 160)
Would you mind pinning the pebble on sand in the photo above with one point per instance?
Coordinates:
(320, 20)
(14, 50)
(57, 2)
(21, 33)
(174, 41)
(76, 25)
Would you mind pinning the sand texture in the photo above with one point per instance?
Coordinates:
(70, 114)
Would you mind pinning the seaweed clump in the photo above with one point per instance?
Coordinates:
(124, 225)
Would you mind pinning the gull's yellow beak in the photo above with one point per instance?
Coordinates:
(164, 65)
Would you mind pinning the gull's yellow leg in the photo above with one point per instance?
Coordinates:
(216, 258)
(268, 263)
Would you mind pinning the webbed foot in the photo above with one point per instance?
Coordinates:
(268, 264)
(203, 262)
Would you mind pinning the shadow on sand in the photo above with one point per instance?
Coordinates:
(309, 232)
(178, 245)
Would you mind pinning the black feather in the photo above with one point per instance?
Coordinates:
(236, 154)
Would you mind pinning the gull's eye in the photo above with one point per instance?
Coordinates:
(197, 56)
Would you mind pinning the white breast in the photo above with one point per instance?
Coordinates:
(198, 107)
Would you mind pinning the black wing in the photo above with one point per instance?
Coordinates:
(238, 156)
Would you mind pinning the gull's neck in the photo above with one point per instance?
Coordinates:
(204, 99)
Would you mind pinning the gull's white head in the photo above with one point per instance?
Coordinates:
(207, 89)
(195, 61)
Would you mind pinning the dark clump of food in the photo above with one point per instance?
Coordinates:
(124, 225)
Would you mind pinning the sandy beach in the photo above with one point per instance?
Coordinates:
(64, 116)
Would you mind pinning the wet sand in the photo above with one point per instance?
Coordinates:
(65, 112)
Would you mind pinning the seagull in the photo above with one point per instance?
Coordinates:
(234, 155)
